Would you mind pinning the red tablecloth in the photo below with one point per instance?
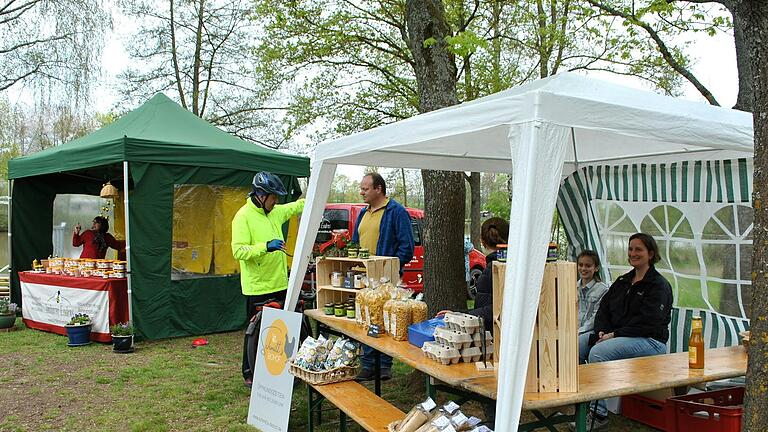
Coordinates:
(49, 301)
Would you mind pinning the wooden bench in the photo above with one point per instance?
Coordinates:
(719, 330)
(352, 399)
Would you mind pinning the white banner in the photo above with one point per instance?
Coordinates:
(52, 304)
(272, 389)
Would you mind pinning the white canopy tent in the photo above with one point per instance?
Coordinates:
(539, 132)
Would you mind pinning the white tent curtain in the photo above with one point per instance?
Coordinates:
(538, 150)
(543, 131)
(317, 194)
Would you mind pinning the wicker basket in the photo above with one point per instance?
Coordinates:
(339, 374)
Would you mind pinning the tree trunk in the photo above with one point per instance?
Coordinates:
(175, 58)
(744, 99)
(444, 192)
(474, 209)
(198, 61)
(405, 188)
(752, 16)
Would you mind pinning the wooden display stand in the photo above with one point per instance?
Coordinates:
(554, 359)
(375, 267)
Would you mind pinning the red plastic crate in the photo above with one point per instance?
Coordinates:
(654, 413)
(712, 411)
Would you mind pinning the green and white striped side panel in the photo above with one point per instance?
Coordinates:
(723, 181)
(719, 330)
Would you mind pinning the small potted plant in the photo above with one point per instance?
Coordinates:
(79, 330)
(7, 313)
(122, 337)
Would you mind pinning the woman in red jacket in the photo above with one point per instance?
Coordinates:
(96, 240)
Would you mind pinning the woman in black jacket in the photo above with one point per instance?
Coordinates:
(493, 233)
(634, 315)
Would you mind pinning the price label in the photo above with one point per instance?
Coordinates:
(373, 330)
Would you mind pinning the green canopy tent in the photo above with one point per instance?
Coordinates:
(150, 151)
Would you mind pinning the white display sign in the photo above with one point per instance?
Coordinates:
(272, 388)
(55, 305)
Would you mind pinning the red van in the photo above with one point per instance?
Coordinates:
(343, 216)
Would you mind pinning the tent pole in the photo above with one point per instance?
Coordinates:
(127, 240)
(10, 243)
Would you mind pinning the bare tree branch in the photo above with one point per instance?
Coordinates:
(663, 49)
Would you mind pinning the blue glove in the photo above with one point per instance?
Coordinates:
(274, 245)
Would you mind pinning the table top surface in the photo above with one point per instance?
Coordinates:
(33, 274)
(596, 381)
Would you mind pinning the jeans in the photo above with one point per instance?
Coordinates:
(368, 360)
(616, 349)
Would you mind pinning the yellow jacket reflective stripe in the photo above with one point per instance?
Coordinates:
(262, 272)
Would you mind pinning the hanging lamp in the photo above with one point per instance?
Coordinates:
(109, 191)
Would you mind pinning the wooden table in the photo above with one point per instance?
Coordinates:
(596, 381)
(51, 300)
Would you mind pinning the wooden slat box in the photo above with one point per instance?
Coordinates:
(554, 356)
(376, 268)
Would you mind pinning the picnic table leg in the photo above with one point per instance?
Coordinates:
(581, 416)
(377, 372)
(310, 424)
(431, 390)
(342, 421)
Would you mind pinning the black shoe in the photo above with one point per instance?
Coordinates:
(386, 374)
(365, 375)
(370, 375)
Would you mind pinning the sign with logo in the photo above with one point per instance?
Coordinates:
(55, 305)
(272, 388)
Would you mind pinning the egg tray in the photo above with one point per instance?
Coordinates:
(440, 353)
(477, 339)
(453, 338)
(462, 322)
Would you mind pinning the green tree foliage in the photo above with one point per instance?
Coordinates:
(344, 190)
(345, 64)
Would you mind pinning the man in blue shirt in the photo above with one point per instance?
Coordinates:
(384, 226)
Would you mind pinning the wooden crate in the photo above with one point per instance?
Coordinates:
(375, 267)
(554, 356)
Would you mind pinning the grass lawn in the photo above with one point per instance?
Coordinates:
(164, 386)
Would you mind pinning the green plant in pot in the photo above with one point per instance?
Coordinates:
(122, 337)
(7, 313)
(79, 330)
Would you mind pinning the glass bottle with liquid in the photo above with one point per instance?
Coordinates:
(696, 345)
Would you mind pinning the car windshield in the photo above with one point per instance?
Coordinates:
(333, 219)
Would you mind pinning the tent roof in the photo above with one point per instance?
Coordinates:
(159, 131)
(609, 124)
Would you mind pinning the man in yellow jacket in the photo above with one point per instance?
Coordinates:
(258, 244)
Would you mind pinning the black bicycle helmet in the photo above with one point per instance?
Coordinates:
(265, 183)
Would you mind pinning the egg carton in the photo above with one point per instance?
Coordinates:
(473, 354)
(453, 338)
(462, 322)
(477, 339)
(441, 353)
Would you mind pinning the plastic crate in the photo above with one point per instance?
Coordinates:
(424, 331)
(711, 411)
(651, 412)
